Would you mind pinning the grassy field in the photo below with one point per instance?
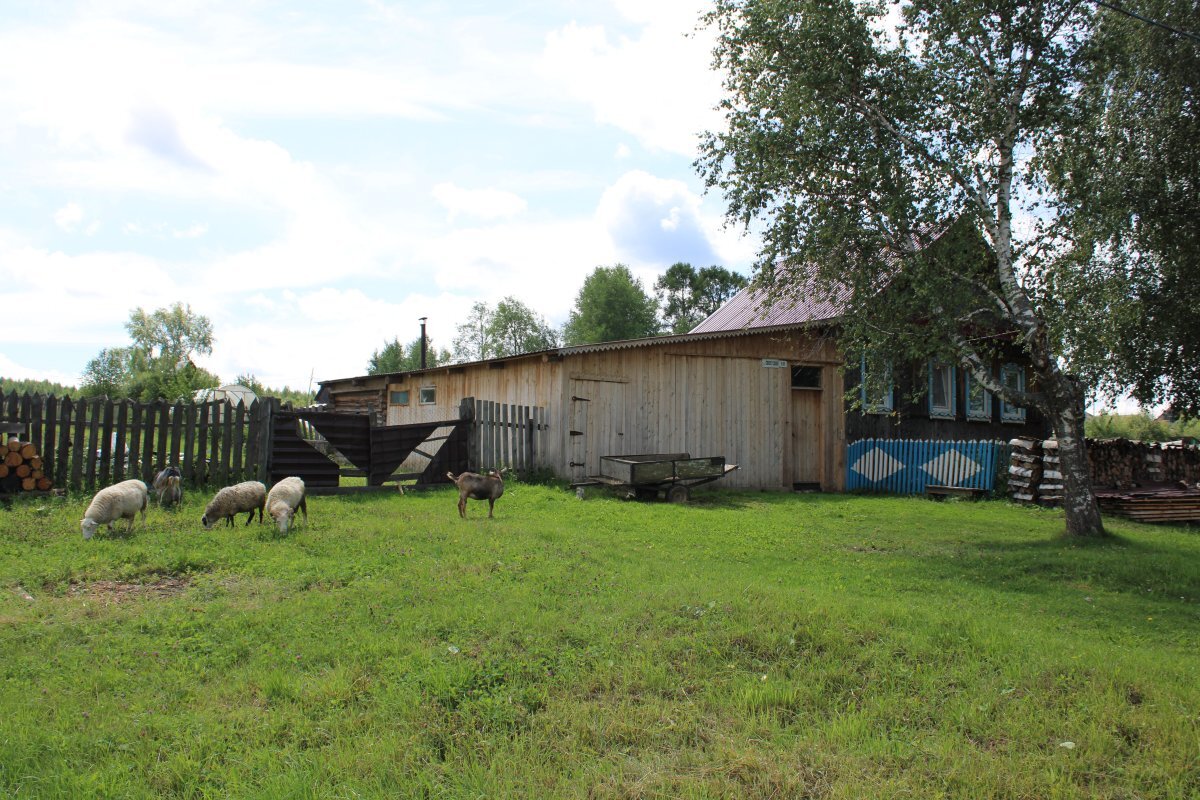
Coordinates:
(747, 645)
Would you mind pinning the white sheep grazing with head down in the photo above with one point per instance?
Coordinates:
(120, 501)
(285, 497)
(245, 496)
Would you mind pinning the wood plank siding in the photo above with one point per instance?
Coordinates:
(707, 397)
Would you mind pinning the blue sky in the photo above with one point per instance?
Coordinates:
(315, 177)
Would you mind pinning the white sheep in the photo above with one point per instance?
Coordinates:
(285, 497)
(244, 496)
(120, 501)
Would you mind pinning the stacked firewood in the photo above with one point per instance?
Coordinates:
(22, 469)
(1118, 463)
(1050, 490)
(1025, 469)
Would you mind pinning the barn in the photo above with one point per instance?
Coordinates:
(762, 384)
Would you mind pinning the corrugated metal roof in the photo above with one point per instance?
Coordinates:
(599, 347)
(756, 308)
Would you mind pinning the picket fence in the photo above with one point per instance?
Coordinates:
(908, 466)
(88, 443)
(506, 436)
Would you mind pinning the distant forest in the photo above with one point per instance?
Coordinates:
(7, 385)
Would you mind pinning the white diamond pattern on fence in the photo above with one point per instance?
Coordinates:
(952, 468)
(876, 465)
(907, 466)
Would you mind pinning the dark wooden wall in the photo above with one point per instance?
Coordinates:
(913, 421)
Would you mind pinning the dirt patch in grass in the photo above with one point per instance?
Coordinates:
(122, 591)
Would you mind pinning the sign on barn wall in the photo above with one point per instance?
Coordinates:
(774, 363)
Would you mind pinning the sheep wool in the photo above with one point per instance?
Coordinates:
(120, 501)
(285, 497)
(245, 496)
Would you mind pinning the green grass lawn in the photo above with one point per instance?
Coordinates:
(746, 645)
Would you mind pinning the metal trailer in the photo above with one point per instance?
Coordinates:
(645, 476)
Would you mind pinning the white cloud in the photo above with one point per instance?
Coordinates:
(482, 203)
(68, 217)
(658, 86)
(20, 372)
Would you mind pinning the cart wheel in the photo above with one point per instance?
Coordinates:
(644, 493)
(678, 494)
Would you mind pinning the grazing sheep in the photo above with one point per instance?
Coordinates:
(478, 487)
(285, 497)
(167, 486)
(244, 496)
(119, 501)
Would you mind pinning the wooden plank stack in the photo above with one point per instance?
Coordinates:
(1179, 503)
(21, 468)
(1025, 469)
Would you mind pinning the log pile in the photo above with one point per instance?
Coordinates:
(21, 468)
(1024, 469)
(1145, 481)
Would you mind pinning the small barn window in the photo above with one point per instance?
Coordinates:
(427, 395)
(876, 388)
(398, 398)
(942, 390)
(806, 377)
(979, 399)
(1012, 376)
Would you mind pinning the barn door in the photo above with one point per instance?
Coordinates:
(808, 440)
(597, 423)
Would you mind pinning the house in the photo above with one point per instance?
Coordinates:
(761, 383)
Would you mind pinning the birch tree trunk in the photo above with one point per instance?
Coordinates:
(1066, 404)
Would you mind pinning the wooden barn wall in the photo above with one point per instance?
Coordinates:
(715, 398)
(709, 398)
(913, 420)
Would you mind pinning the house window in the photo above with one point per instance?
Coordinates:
(942, 400)
(398, 398)
(1012, 376)
(877, 389)
(427, 395)
(806, 377)
(979, 399)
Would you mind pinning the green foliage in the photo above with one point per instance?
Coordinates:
(397, 357)
(297, 397)
(510, 328)
(159, 363)
(1128, 184)
(1140, 426)
(743, 645)
(687, 295)
(612, 305)
(23, 386)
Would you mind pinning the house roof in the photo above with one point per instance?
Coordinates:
(599, 347)
(755, 308)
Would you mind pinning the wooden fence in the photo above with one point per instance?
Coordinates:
(503, 435)
(89, 443)
(907, 466)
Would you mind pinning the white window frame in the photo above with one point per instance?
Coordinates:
(950, 410)
(886, 403)
(432, 397)
(976, 415)
(1008, 411)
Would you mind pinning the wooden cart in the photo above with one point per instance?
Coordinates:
(645, 476)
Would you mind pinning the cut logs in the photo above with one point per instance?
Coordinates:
(22, 468)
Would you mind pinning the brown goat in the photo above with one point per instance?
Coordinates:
(477, 487)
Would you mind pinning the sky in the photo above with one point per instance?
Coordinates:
(314, 177)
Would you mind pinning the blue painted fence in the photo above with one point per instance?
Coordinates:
(907, 466)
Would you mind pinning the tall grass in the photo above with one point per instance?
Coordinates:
(746, 645)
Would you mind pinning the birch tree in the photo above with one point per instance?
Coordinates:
(859, 136)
